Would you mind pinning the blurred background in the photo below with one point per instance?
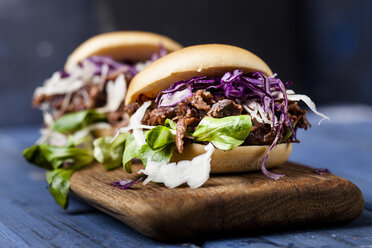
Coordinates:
(323, 46)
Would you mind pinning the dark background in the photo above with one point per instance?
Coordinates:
(324, 46)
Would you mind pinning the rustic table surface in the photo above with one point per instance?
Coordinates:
(29, 217)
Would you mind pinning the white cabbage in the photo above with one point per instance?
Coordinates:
(52, 137)
(195, 172)
(256, 111)
(292, 96)
(79, 76)
(135, 124)
(142, 65)
(85, 131)
(115, 94)
(310, 104)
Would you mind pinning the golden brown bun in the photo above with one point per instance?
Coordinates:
(122, 45)
(201, 60)
(238, 159)
(104, 132)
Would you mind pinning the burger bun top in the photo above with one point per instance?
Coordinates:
(122, 45)
(201, 60)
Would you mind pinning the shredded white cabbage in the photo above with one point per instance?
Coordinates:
(48, 118)
(195, 172)
(52, 137)
(135, 125)
(256, 111)
(79, 76)
(297, 97)
(142, 65)
(57, 85)
(115, 94)
(85, 131)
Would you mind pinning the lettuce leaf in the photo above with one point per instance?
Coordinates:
(225, 133)
(289, 132)
(53, 157)
(159, 146)
(163, 154)
(131, 151)
(170, 124)
(158, 137)
(108, 153)
(76, 121)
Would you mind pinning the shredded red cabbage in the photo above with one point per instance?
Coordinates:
(125, 184)
(321, 171)
(162, 52)
(239, 87)
(114, 67)
(63, 74)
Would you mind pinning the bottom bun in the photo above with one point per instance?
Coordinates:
(104, 132)
(238, 159)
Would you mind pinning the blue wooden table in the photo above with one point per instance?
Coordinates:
(29, 217)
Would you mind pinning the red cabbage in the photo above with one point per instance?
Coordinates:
(321, 171)
(63, 74)
(113, 66)
(125, 184)
(162, 52)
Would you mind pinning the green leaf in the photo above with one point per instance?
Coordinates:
(85, 141)
(159, 155)
(59, 183)
(289, 132)
(158, 137)
(131, 151)
(225, 133)
(108, 153)
(53, 157)
(38, 155)
(76, 121)
(170, 124)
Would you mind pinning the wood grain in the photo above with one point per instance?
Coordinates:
(226, 203)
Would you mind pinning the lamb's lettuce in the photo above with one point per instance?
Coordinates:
(159, 146)
(76, 121)
(62, 161)
(224, 133)
(170, 124)
(110, 152)
(59, 184)
(131, 151)
(158, 137)
(162, 154)
(53, 157)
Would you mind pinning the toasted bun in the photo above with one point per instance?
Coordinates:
(238, 159)
(122, 45)
(201, 60)
(104, 132)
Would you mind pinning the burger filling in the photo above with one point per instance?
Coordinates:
(97, 82)
(189, 112)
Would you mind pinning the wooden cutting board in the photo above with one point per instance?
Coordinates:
(226, 203)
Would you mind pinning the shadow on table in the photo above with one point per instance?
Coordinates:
(363, 221)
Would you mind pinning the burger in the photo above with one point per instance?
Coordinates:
(95, 78)
(210, 109)
(85, 100)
